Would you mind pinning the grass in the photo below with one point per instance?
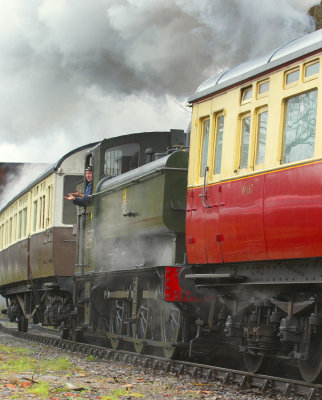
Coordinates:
(16, 360)
(91, 358)
(117, 393)
(19, 350)
(26, 372)
(41, 388)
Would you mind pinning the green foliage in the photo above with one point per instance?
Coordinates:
(91, 358)
(18, 360)
(15, 363)
(56, 364)
(15, 350)
(117, 393)
(40, 388)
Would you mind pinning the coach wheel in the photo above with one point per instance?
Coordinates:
(255, 363)
(22, 323)
(141, 325)
(170, 328)
(117, 316)
(311, 369)
(63, 332)
(76, 333)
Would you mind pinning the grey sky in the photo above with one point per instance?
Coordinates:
(75, 71)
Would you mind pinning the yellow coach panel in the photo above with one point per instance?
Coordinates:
(240, 115)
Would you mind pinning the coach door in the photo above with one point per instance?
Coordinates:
(203, 244)
(212, 194)
(241, 212)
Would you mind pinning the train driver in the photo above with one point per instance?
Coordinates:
(81, 199)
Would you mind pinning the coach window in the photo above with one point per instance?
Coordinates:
(40, 213)
(49, 208)
(34, 227)
(311, 69)
(6, 232)
(10, 231)
(299, 127)
(262, 88)
(292, 76)
(15, 227)
(43, 212)
(1, 236)
(261, 130)
(204, 146)
(24, 224)
(246, 94)
(244, 141)
(219, 126)
(20, 225)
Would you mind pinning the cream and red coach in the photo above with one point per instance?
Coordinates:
(254, 203)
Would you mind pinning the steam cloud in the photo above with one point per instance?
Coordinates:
(74, 71)
(18, 180)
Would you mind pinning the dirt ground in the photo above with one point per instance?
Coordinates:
(33, 371)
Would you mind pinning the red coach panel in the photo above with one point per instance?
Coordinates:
(293, 212)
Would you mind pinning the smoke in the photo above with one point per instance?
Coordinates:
(18, 180)
(74, 71)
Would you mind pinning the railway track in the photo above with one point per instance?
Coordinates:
(207, 373)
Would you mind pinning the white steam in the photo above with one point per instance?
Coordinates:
(74, 71)
(18, 180)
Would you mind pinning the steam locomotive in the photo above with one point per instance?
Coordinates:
(178, 254)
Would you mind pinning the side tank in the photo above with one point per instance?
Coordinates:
(140, 216)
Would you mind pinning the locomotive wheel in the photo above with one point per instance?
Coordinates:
(170, 328)
(311, 369)
(255, 363)
(141, 326)
(22, 323)
(117, 315)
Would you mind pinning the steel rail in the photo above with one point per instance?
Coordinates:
(206, 373)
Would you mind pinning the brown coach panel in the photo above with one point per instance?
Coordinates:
(41, 255)
(14, 263)
(64, 251)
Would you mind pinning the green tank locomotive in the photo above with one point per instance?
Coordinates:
(130, 239)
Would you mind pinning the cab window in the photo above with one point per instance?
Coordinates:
(120, 159)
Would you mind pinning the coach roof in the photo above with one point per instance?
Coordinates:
(297, 48)
(47, 172)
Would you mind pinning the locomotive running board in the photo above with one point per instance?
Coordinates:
(218, 278)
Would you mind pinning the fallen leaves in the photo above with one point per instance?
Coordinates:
(128, 386)
(10, 385)
(26, 384)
